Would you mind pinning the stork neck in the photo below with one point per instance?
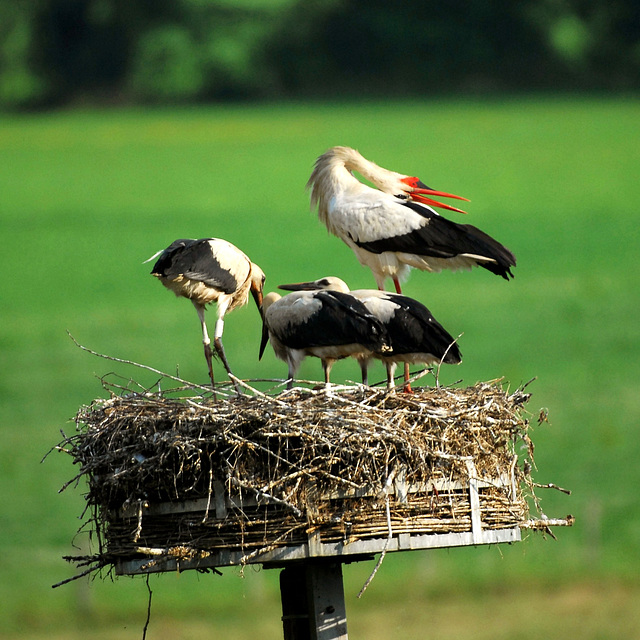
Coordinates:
(367, 169)
(382, 179)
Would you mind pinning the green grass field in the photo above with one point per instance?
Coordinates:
(85, 198)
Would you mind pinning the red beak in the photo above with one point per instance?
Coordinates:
(418, 190)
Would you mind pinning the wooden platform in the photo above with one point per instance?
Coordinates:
(327, 537)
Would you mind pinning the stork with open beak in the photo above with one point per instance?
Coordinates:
(205, 271)
(393, 227)
(415, 336)
(329, 325)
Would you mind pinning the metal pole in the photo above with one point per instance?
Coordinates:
(313, 601)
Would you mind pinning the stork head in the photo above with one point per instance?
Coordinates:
(330, 167)
(257, 284)
(268, 300)
(328, 283)
(411, 188)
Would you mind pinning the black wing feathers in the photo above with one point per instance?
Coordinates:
(195, 260)
(341, 320)
(443, 238)
(413, 329)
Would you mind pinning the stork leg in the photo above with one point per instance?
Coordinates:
(207, 345)
(217, 343)
(208, 354)
(293, 362)
(407, 374)
(290, 381)
(364, 368)
(391, 368)
(326, 367)
(407, 386)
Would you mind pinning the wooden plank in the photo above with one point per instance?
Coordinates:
(338, 550)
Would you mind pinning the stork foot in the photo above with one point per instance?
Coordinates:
(220, 351)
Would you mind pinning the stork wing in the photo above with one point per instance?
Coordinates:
(195, 259)
(338, 319)
(413, 329)
(438, 237)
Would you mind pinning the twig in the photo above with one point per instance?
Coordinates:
(383, 552)
(146, 624)
(193, 385)
(138, 531)
(263, 494)
(544, 523)
(550, 485)
(444, 355)
(84, 573)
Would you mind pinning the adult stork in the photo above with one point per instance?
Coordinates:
(415, 336)
(205, 271)
(393, 227)
(329, 325)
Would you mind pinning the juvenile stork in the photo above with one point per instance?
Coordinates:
(205, 271)
(415, 336)
(392, 228)
(329, 325)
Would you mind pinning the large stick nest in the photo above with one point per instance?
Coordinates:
(337, 451)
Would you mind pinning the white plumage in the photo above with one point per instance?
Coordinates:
(392, 228)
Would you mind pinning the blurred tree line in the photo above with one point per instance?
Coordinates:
(55, 52)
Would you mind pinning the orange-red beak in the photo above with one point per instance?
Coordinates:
(418, 190)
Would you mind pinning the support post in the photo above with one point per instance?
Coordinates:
(313, 601)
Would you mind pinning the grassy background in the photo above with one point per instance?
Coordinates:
(86, 197)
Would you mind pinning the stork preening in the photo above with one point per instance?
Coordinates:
(329, 325)
(393, 227)
(205, 271)
(415, 336)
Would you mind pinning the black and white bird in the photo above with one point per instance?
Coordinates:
(329, 325)
(392, 227)
(415, 336)
(205, 271)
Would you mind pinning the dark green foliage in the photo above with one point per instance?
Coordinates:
(60, 51)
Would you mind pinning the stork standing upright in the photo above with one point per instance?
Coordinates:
(415, 336)
(205, 271)
(329, 325)
(392, 228)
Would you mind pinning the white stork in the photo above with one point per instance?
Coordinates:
(392, 228)
(205, 271)
(329, 325)
(415, 336)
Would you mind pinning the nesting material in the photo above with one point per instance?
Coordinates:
(187, 477)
